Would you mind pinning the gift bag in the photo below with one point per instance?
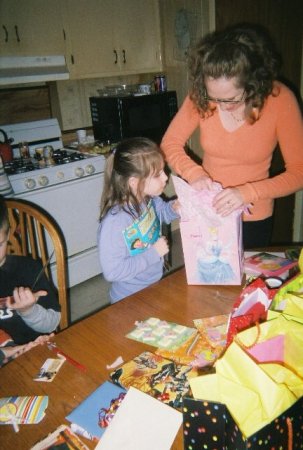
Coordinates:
(209, 425)
(259, 386)
(250, 307)
(212, 245)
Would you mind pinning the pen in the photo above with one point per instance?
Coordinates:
(53, 347)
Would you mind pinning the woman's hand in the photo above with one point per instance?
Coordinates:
(23, 299)
(204, 182)
(228, 201)
(161, 246)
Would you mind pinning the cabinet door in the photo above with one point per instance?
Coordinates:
(31, 28)
(89, 27)
(112, 37)
(137, 36)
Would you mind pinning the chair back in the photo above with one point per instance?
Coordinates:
(34, 232)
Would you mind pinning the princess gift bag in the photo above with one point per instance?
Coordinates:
(212, 245)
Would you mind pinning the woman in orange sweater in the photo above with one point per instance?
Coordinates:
(242, 112)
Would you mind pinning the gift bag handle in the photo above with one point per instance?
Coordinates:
(247, 347)
(290, 433)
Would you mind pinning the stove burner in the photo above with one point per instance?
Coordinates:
(20, 166)
(63, 157)
(59, 157)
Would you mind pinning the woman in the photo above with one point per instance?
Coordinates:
(242, 112)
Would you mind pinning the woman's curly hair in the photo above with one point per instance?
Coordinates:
(243, 51)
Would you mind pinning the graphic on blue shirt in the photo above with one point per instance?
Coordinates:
(144, 231)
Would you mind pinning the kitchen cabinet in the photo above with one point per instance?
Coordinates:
(31, 27)
(112, 37)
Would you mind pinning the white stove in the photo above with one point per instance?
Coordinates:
(69, 189)
(67, 163)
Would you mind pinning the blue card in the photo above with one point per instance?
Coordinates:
(96, 411)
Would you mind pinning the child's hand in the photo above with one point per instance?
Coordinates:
(176, 206)
(161, 246)
(24, 298)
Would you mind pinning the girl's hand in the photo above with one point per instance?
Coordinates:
(176, 206)
(228, 201)
(204, 182)
(161, 246)
(24, 299)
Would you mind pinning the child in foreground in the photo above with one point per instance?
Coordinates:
(131, 248)
(26, 317)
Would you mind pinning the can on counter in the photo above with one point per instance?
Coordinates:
(160, 83)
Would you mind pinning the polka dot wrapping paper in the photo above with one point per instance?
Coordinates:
(210, 426)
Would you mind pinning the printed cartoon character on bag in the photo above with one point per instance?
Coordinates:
(212, 266)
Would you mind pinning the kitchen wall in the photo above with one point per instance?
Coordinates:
(182, 23)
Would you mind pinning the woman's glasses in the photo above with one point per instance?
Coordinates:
(220, 100)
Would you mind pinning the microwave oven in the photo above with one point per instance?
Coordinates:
(117, 117)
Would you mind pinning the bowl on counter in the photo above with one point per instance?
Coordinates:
(119, 89)
(96, 148)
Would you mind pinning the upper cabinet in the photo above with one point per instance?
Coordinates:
(31, 28)
(112, 37)
(98, 37)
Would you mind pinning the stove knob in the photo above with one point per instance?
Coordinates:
(43, 180)
(60, 175)
(90, 169)
(79, 172)
(30, 183)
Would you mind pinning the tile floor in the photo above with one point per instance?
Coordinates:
(91, 295)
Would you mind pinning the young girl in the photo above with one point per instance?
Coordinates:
(131, 247)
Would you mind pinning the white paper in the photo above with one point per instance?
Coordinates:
(141, 423)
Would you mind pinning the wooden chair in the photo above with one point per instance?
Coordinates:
(33, 232)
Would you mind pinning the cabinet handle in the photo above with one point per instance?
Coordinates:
(124, 58)
(116, 57)
(6, 33)
(17, 33)
(72, 59)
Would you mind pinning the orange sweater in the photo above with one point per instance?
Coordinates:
(242, 157)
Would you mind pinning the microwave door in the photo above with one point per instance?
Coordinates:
(142, 116)
(106, 118)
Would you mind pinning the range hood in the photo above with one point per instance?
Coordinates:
(32, 69)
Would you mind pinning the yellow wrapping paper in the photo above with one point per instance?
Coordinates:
(275, 314)
(256, 394)
(289, 299)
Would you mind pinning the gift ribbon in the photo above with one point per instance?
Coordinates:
(290, 433)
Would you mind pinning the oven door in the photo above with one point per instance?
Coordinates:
(76, 206)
